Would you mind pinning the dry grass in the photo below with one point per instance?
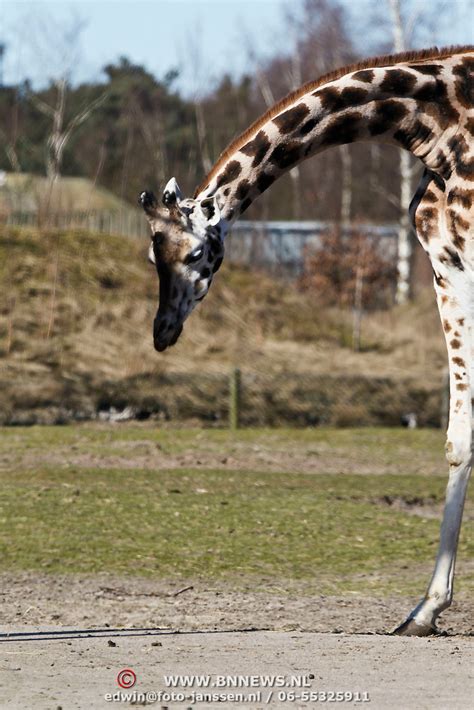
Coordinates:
(25, 192)
(79, 309)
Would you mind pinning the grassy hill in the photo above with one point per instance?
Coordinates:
(76, 333)
(23, 192)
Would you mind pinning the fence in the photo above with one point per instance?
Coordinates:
(234, 399)
(278, 247)
(247, 399)
(127, 223)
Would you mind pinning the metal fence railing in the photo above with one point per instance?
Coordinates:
(279, 247)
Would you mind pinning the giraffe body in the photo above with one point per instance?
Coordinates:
(421, 101)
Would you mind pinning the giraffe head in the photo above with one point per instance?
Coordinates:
(187, 249)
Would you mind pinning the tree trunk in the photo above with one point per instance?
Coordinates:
(404, 242)
(346, 186)
(404, 231)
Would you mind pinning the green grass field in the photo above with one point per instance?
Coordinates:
(71, 500)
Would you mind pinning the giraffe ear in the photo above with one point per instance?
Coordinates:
(211, 210)
(171, 193)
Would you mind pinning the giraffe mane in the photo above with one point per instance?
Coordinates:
(371, 63)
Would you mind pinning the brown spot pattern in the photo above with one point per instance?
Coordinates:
(242, 189)
(458, 145)
(365, 75)
(291, 119)
(431, 69)
(430, 196)
(437, 103)
(308, 126)
(452, 257)
(333, 99)
(426, 223)
(464, 84)
(469, 126)
(386, 114)
(442, 165)
(397, 82)
(343, 129)
(245, 204)
(464, 197)
(257, 148)
(455, 343)
(264, 180)
(286, 154)
(456, 223)
(231, 172)
(353, 96)
(459, 362)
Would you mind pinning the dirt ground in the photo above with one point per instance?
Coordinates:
(66, 638)
(267, 453)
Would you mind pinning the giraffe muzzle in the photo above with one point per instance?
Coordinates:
(165, 334)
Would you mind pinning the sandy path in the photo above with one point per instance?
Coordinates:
(73, 672)
(51, 659)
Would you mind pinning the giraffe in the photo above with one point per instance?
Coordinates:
(421, 101)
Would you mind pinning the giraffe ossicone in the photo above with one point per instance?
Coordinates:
(420, 101)
(171, 193)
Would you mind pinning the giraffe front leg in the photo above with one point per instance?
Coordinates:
(456, 319)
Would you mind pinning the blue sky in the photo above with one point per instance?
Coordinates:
(203, 37)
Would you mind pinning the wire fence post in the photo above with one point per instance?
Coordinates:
(234, 398)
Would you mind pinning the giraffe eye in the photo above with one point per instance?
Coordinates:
(194, 255)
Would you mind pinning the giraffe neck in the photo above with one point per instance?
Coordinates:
(416, 105)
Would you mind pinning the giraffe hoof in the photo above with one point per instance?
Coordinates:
(411, 628)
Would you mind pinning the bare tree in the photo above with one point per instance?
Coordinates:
(60, 133)
(195, 60)
(53, 44)
(11, 152)
(320, 44)
(296, 79)
(404, 230)
(152, 129)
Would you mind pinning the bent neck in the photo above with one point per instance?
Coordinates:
(408, 104)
